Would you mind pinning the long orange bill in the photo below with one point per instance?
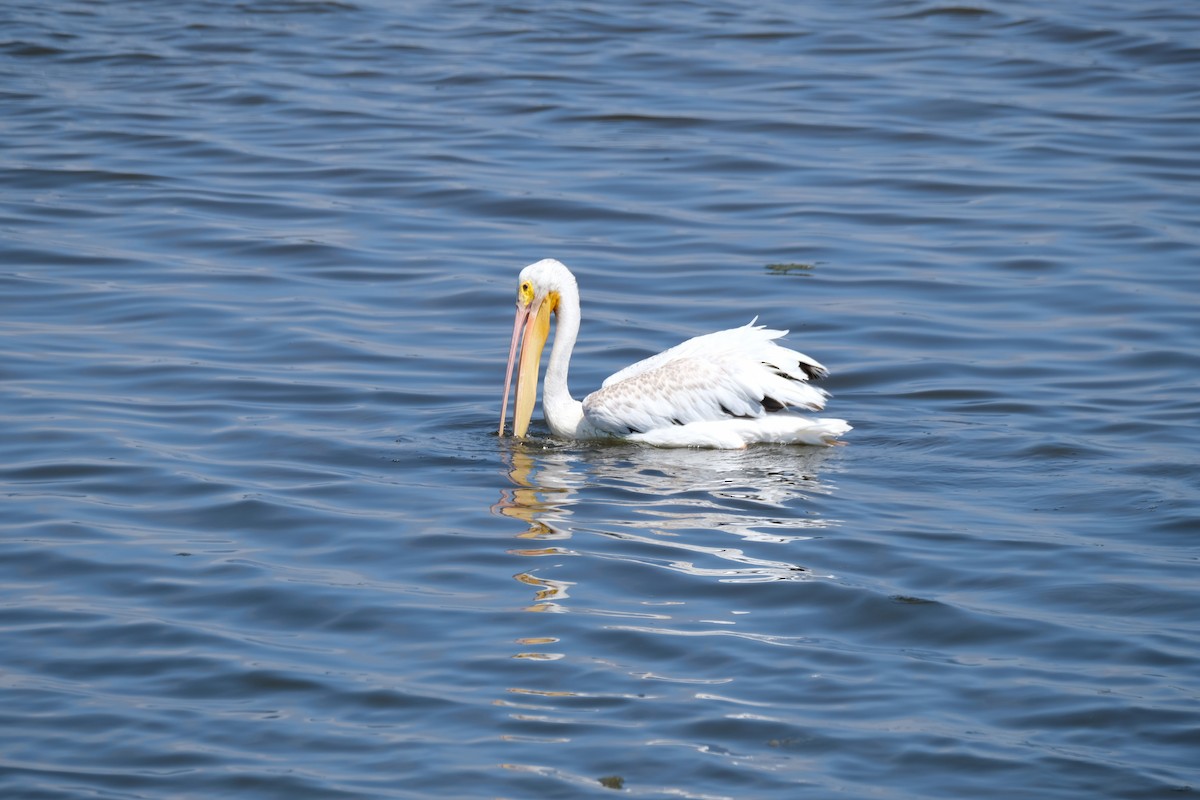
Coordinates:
(537, 330)
(519, 323)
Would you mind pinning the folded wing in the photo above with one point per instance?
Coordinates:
(735, 374)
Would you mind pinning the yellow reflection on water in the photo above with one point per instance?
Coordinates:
(724, 517)
(666, 499)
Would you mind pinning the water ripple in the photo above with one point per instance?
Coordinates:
(255, 278)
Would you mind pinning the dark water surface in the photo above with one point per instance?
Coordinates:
(259, 540)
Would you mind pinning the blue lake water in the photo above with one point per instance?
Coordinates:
(258, 537)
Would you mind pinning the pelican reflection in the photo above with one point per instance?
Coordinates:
(684, 511)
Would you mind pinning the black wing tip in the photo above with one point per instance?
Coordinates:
(770, 404)
(725, 410)
(812, 371)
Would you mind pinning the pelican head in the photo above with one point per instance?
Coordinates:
(540, 287)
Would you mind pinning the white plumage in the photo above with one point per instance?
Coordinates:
(725, 389)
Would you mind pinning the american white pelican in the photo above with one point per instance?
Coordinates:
(726, 389)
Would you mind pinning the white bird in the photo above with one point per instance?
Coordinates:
(725, 390)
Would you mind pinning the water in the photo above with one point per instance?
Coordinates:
(257, 262)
